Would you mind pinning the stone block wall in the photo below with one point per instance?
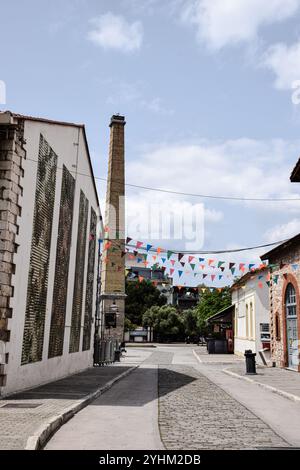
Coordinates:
(282, 274)
(12, 153)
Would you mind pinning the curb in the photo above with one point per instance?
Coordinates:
(290, 396)
(38, 440)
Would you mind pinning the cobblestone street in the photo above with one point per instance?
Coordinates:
(196, 414)
(170, 402)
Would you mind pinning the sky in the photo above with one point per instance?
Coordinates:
(211, 94)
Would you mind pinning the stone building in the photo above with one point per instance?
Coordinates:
(49, 213)
(284, 263)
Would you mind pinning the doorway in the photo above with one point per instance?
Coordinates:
(291, 327)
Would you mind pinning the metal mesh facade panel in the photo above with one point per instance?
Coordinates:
(60, 291)
(39, 256)
(88, 314)
(79, 274)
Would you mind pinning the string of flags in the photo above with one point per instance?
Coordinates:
(177, 264)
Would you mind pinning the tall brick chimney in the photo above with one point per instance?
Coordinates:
(113, 263)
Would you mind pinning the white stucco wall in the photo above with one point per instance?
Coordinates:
(63, 141)
(259, 297)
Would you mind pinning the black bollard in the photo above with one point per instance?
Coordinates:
(250, 362)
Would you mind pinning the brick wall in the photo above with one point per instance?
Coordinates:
(286, 274)
(11, 155)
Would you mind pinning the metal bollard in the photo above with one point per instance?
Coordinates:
(250, 362)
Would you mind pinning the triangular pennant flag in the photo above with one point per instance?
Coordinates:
(220, 276)
(107, 245)
(154, 257)
(123, 254)
(210, 261)
(139, 260)
(261, 276)
(172, 261)
(220, 263)
(145, 263)
(204, 276)
(135, 252)
(268, 283)
(172, 271)
(201, 260)
(232, 270)
(222, 268)
(231, 265)
(191, 258)
(148, 247)
(128, 240)
(193, 266)
(251, 266)
(164, 260)
(180, 256)
(202, 266)
(180, 273)
(145, 256)
(182, 264)
(169, 254)
(213, 277)
(139, 244)
(275, 278)
(242, 267)
(260, 285)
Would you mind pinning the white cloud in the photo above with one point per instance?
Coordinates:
(114, 32)
(236, 168)
(283, 232)
(228, 22)
(284, 61)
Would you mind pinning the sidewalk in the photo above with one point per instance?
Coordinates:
(29, 418)
(281, 381)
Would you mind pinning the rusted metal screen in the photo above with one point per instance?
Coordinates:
(88, 314)
(39, 256)
(79, 274)
(60, 291)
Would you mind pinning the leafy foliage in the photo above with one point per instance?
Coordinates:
(209, 304)
(166, 321)
(140, 297)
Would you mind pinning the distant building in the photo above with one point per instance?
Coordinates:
(185, 297)
(49, 212)
(250, 297)
(136, 271)
(285, 303)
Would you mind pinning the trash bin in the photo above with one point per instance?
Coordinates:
(210, 345)
(117, 355)
(250, 362)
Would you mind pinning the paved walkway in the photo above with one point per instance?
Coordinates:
(26, 416)
(171, 391)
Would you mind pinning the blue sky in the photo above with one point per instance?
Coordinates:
(206, 87)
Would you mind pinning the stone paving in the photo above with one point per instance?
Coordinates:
(51, 400)
(194, 413)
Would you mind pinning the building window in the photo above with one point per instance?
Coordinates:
(247, 321)
(251, 321)
(290, 301)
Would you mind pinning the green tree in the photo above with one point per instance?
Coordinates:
(190, 322)
(166, 321)
(140, 297)
(210, 303)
